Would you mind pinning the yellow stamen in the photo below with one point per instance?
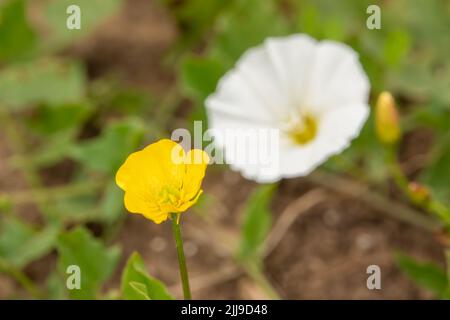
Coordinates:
(303, 131)
(169, 195)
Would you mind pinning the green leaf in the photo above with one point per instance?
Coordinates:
(21, 243)
(130, 100)
(309, 21)
(437, 174)
(108, 151)
(17, 39)
(58, 128)
(77, 208)
(41, 81)
(50, 119)
(396, 47)
(137, 284)
(195, 17)
(141, 289)
(246, 24)
(93, 12)
(200, 76)
(95, 260)
(435, 116)
(55, 287)
(257, 222)
(425, 274)
(112, 203)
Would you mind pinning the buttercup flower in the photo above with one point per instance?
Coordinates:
(314, 93)
(162, 179)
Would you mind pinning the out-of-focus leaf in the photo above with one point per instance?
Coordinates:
(130, 101)
(396, 46)
(79, 208)
(257, 222)
(246, 24)
(55, 287)
(309, 21)
(138, 285)
(433, 115)
(95, 260)
(54, 149)
(42, 81)
(200, 75)
(334, 29)
(93, 12)
(437, 174)
(57, 128)
(17, 39)
(330, 19)
(427, 275)
(50, 119)
(195, 16)
(21, 243)
(107, 152)
(112, 203)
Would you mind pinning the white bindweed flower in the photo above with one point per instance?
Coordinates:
(314, 93)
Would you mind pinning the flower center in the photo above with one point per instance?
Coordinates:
(169, 195)
(303, 130)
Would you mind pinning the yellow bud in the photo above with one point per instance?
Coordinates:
(419, 193)
(387, 121)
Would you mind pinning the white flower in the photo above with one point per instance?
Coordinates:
(314, 93)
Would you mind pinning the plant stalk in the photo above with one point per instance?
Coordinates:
(181, 258)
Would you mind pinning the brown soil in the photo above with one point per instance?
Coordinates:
(324, 254)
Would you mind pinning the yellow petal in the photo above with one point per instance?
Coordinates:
(196, 163)
(186, 205)
(152, 169)
(151, 177)
(134, 203)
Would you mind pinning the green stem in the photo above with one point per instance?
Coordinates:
(401, 180)
(181, 259)
(397, 173)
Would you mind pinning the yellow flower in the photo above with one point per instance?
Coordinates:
(162, 179)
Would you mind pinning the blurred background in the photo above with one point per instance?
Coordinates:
(75, 103)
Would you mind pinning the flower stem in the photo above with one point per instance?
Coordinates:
(181, 259)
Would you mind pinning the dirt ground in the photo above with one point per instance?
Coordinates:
(324, 253)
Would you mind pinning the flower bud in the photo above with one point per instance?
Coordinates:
(387, 121)
(419, 193)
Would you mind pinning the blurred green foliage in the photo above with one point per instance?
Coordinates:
(426, 274)
(41, 81)
(21, 243)
(96, 262)
(138, 285)
(17, 38)
(256, 224)
(59, 116)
